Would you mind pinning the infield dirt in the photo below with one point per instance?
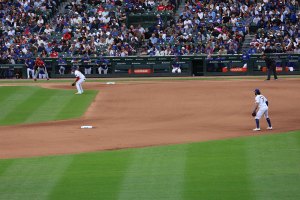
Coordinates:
(148, 113)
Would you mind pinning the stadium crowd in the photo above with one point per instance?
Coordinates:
(278, 27)
(98, 27)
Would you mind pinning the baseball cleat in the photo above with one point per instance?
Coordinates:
(270, 128)
(256, 129)
(77, 93)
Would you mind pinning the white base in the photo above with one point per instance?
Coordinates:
(110, 83)
(86, 126)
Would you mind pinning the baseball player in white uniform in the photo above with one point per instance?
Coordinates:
(262, 105)
(80, 78)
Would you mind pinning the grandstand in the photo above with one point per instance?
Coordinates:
(146, 27)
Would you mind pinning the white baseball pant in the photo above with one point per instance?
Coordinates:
(261, 112)
(79, 85)
(30, 71)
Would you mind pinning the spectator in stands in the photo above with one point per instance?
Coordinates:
(29, 63)
(90, 27)
(222, 51)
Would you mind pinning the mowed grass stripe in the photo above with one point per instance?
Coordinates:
(77, 105)
(29, 105)
(4, 166)
(33, 104)
(13, 97)
(217, 170)
(155, 173)
(93, 176)
(6, 92)
(52, 106)
(274, 167)
(29, 179)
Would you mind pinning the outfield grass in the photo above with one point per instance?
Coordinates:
(261, 167)
(34, 104)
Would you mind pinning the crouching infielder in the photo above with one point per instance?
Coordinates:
(80, 78)
(40, 67)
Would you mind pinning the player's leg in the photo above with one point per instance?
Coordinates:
(46, 73)
(266, 114)
(274, 73)
(268, 72)
(60, 70)
(37, 72)
(85, 71)
(32, 73)
(257, 118)
(28, 73)
(179, 70)
(105, 71)
(99, 70)
(79, 86)
(81, 89)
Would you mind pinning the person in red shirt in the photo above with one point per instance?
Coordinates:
(40, 66)
(169, 7)
(161, 7)
(54, 54)
(67, 36)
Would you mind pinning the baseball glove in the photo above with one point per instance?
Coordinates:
(253, 114)
(73, 84)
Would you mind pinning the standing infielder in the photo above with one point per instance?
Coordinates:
(80, 78)
(261, 103)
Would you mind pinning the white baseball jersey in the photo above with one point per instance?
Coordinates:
(261, 100)
(79, 74)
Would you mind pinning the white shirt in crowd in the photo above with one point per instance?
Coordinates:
(48, 31)
(109, 40)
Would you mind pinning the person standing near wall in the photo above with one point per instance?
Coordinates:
(29, 62)
(271, 66)
(40, 66)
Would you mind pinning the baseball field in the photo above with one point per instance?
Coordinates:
(185, 138)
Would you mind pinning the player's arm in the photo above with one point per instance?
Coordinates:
(267, 102)
(77, 79)
(255, 107)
